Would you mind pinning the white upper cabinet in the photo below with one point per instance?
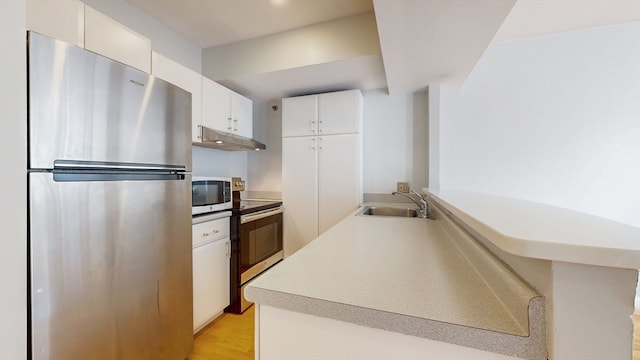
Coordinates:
(340, 112)
(107, 37)
(75, 23)
(225, 110)
(216, 106)
(300, 116)
(324, 114)
(61, 19)
(185, 78)
(242, 115)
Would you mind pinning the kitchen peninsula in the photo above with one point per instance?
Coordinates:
(382, 287)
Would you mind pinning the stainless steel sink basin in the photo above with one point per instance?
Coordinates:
(389, 211)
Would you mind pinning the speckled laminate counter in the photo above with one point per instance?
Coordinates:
(542, 231)
(404, 275)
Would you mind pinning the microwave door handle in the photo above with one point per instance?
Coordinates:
(253, 217)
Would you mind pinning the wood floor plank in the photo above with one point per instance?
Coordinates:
(636, 336)
(229, 337)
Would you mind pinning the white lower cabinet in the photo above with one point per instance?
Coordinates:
(300, 195)
(211, 264)
(321, 182)
(339, 178)
(288, 335)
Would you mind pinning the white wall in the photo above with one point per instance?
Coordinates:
(329, 41)
(395, 141)
(395, 135)
(163, 39)
(13, 181)
(553, 119)
(433, 94)
(213, 162)
(265, 167)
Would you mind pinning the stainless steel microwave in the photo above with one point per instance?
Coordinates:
(210, 194)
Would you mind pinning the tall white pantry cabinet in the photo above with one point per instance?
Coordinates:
(321, 163)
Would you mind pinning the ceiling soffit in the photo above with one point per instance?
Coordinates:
(215, 22)
(436, 41)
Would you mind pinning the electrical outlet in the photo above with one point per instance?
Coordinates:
(402, 187)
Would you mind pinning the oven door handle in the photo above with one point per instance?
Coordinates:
(260, 215)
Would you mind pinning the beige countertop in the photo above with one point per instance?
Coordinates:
(541, 231)
(398, 274)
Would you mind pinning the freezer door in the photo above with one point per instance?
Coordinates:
(85, 107)
(111, 272)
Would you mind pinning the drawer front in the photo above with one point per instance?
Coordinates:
(209, 231)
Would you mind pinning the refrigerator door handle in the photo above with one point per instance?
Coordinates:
(110, 175)
(87, 165)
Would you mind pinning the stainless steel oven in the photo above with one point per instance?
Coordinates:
(260, 240)
(256, 242)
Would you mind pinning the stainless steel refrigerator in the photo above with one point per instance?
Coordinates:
(109, 209)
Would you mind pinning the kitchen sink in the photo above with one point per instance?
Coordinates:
(389, 211)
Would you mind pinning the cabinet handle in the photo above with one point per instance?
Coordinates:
(215, 231)
(320, 126)
(235, 124)
(313, 144)
(229, 127)
(205, 234)
(313, 126)
(320, 144)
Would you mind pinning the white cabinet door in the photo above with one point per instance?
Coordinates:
(242, 115)
(299, 192)
(339, 182)
(61, 19)
(216, 106)
(225, 110)
(300, 116)
(210, 281)
(107, 37)
(340, 112)
(208, 231)
(185, 78)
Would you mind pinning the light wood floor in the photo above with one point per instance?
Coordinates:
(229, 337)
(636, 336)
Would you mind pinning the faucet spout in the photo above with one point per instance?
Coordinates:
(421, 202)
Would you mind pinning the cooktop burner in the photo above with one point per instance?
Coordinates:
(250, 206)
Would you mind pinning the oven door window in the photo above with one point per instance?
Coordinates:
(259, 240)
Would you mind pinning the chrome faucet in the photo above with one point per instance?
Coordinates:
(422, 203)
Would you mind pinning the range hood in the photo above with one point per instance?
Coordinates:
(224, 141)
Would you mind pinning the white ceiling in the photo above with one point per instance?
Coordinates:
(364, 72)
(422, 41)
(435, 41)
(216, 22)
(538, 17)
